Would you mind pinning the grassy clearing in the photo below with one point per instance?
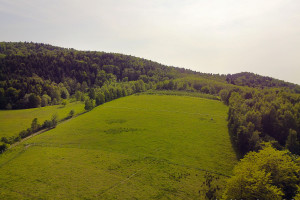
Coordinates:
(14, 121)
(143, 147)
(180, 93)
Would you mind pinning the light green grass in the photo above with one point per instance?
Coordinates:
(180, 93)
(137, 147)
(14, 121)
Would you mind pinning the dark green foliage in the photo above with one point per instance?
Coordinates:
(71, 114)
(45, 100)
(43, 69)
(12, 94)
(292, 142)
(92, 93)
(64, 93)
(51, 123)
(224, 95)
(89, 104)
(78, 95)
(257, 115)
(4, 140)
(100, 99)
(3, 99)
(47, 124)
(34, 125)
(257, 81)
(34, 101)
(3, 147)
(205, 89)
(40, 69)
(54, 120)
(10, 140)
(24, 134)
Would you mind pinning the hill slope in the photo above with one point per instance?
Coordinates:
(145, 146)
(14, 121)
(31, 72)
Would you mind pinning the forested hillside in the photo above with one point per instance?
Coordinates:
(260, 108)
(33, 75)
(257, 81)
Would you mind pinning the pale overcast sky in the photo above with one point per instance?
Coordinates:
(214, 36)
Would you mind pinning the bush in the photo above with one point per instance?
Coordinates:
(71, 114)
(3, 147)
(35, 126)
(4, 140)
(51, 123)
(17, 139)
(47, 124)
(54, 120)
(24, 134)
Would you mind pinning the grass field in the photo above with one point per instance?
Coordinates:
(137, 147)
(180, 93)
(14, 121)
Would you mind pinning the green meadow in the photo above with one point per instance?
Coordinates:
(136, 147)
(14, 121)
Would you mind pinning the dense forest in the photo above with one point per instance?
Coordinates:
(261, 109)
(33, 75)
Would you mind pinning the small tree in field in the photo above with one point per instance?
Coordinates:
(34, 125)
(71, 114)
(54, 120)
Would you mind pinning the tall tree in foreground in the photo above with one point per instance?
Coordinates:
(268, 174)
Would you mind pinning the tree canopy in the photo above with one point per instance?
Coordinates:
(268, 174)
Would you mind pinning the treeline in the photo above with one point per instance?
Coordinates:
(257, 116)
(35, 127)
(108, 92)
(257, 81)
(33, 75)
(195, 84)
(32, 92)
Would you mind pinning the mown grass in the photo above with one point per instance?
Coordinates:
(137, 147)
(14, 121)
